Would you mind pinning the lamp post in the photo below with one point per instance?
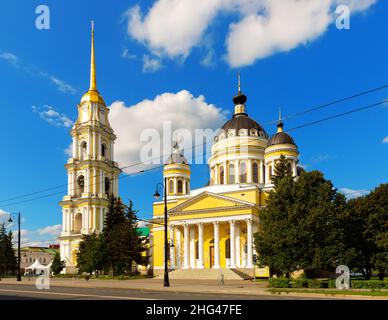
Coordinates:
(162, 189)
(18, 277)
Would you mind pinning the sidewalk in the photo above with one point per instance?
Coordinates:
(236, 287)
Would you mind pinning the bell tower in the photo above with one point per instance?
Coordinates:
(92, 172)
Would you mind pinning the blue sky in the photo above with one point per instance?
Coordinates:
(43, 74)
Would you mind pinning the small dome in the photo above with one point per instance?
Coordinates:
(176, 156)
(92, 96)
(280, 137)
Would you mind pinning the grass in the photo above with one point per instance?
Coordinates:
(373, 293)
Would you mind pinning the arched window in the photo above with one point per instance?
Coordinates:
(263, 173)
(232, 174)
(255, 172)
(227, 249)
(171, 186)
(77, 223)
(107, 186)
(103, 150)
(222, 175)
(243, 172)
(81, 185)
(180, 186)
(84, 150)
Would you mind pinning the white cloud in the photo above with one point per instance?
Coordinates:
(351, 193)
(181, 109)
(9, 57)
(151, 64)
(4, 216)
(172, 28)
(53, 117)
(128, 55)
(54, 230)
(385, 140)
(32, 70)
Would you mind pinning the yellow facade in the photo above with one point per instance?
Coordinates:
(213, 227)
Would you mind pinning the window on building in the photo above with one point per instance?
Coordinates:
(84, 150)
(103, 150)
(232, 174)
(81, 185)
(243, 172)
(78, 223)
(171, 186)
(196, 250)
(255, 172)
(107, 186)
(180, 186)
(227, 249)
(222, 175)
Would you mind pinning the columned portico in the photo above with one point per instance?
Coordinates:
(200, 246)
(216, 245)
(232, 245)
(186, 246)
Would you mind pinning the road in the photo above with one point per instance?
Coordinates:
(29, 292)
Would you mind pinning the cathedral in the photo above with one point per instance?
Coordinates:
(211, 228)
(92, 172)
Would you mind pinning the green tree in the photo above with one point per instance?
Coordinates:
(57, 264)
(282, 170)
(8, 262)
(299, 227)
(91, 256)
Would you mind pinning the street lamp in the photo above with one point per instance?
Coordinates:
(18, 277)
(160, 188)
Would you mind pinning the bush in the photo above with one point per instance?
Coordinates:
(368, 284)
(315, 284)
(279, 283)
(300, 283)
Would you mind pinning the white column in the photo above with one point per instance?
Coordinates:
(273, 167)
(192, 247)
(69, 183)
(99, 144)
(175, 186)
(94, 145)
(249, 244)
(237, 178)
(249, 171)
(200, 245)
(178, 248)
(75, 147)
(184, 186)
(102, 185)
(87, 181)
(111, 151)
(261, 177)
(216, 245)
(294, 169)
(226, 177)
(64, 220)
(172, 247)
(232, 244)
(101, 218)
(237, 241)
(71, 222)
(186, 247)
(95, 218)
(89, 146)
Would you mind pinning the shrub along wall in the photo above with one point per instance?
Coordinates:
(326, 283)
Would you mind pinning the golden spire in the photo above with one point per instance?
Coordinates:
(93, 81)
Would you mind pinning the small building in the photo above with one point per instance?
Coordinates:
(29, 254)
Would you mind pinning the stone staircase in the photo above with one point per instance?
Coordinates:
(202, 274)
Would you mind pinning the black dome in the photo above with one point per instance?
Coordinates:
(280, 138)
(242, 121)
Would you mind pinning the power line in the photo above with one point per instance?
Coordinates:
(340, 115)
(329, 104)
(195, 146)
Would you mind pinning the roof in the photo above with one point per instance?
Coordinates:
(280, 138)
(243, 121)
(144, 232)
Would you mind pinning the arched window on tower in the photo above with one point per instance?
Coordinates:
(180, 186)
(103, 150)
(84, 150)
(107, 186)
(243, 172)
(270, 172)
(80, 185)
(232, 179)
(77, 223)
(171, 187)
(222, 175)
(255, 172)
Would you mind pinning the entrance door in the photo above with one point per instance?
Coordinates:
(211, 250)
